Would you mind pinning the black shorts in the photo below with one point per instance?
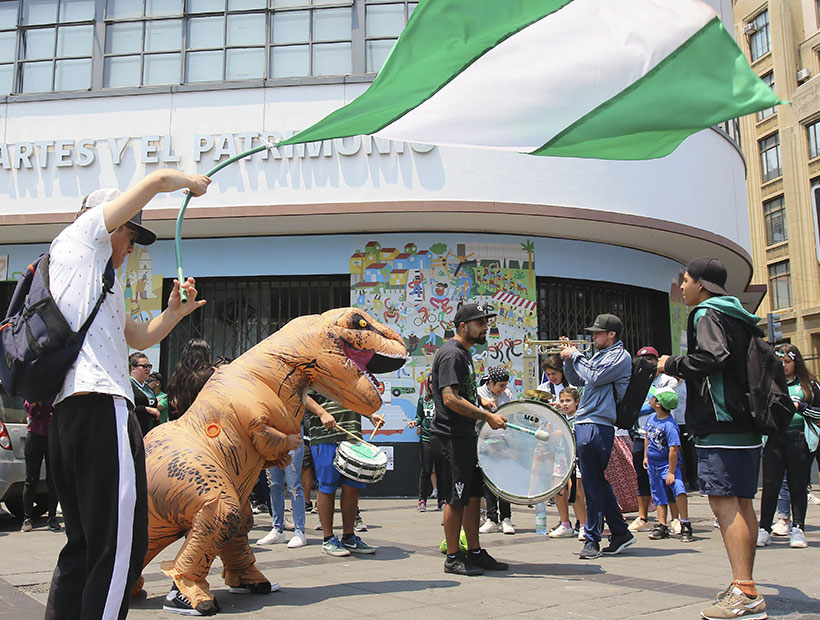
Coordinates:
(460, 470)
(728, 471)
(307, 458)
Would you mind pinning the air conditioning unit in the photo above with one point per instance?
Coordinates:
(803, 75)
(749, 28)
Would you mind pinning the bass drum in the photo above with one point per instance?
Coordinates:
(518, 467)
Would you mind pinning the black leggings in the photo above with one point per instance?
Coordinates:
(36, 450)
(785, 453)
(496, 505)
(428, 464)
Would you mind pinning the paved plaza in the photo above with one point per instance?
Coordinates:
(405, 578)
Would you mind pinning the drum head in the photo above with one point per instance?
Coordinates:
(520, 468)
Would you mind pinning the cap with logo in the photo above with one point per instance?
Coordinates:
(647, 351)
(666, 397)
(101, 196)
(471, 312)
(710, 272)
(606, 323)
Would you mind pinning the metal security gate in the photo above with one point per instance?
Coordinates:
(244, 311)
(566, 306)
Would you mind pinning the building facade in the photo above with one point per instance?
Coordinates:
(782, 41)
(102, 92)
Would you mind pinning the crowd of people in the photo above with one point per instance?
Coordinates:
(694, 426)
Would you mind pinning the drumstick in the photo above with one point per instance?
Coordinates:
(344, 430)
(540, 434)
(375, 428)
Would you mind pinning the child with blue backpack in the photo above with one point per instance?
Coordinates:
(662, 462)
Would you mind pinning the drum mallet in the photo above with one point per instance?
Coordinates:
(344, 430)
(540, 434)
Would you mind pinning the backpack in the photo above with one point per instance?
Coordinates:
(37, 344)
(643, 372)
(770, 405)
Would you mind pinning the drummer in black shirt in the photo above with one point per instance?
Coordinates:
(453, 440)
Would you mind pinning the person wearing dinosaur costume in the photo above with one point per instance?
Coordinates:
(201, 468)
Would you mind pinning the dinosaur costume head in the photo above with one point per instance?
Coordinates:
(353, 347)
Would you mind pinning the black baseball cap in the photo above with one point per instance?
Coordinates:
(101, 196)
(710, 272)
(606, 323)
(471, 312)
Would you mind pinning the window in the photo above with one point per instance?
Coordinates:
(814, 144)
(769, 80)
(770, 157)
(383, 24)
(780, 285)
(143, 42)
(310, 41)
(774, 213)
(815, 196)
(56, 45)
(759, 43)
(54, 40)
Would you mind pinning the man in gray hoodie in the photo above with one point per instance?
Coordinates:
(605, 378)
(717, 415)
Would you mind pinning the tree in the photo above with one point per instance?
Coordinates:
(529, 248)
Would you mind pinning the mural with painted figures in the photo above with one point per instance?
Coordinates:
(416, 291)
(141, 287)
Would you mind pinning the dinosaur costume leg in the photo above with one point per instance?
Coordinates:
(238, 560)
(211, 529)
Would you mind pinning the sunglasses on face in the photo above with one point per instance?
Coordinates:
(146, 366)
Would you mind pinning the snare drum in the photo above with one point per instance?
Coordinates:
(360, 461)
(518, 467)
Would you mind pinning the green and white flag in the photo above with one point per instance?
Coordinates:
(606, 79)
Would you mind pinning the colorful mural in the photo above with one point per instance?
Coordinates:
(678, 313)
(141, 287)
(416, 292)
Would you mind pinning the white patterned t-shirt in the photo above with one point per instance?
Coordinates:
(79, 256)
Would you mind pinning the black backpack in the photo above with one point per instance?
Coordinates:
(643, 372)
(770, 405)
(37, 344)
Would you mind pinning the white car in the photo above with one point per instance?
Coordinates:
(13, 425)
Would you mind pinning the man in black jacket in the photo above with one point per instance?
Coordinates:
(717, 414)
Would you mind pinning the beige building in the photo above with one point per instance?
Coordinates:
(782, 146)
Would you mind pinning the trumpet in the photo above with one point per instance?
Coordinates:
(547, 347)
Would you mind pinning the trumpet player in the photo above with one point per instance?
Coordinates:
(605, 378)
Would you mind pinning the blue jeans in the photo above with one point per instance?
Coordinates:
(292, 474)
(594, 443)
(784, 501)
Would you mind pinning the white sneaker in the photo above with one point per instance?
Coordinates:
(674, 527)
(507, 526)
(813, 499)
(781, 528)
(638, 525)
(489, 526)
(273, 537)
(717, 523)
(289, 527)
(582, 536)
(562, 531)
(297, 540)
(763, 538)
(798, 540)
(318, 526)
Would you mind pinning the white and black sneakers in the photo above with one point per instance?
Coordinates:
(177, 603)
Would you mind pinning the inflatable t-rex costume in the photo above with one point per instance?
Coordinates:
(201, 468)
